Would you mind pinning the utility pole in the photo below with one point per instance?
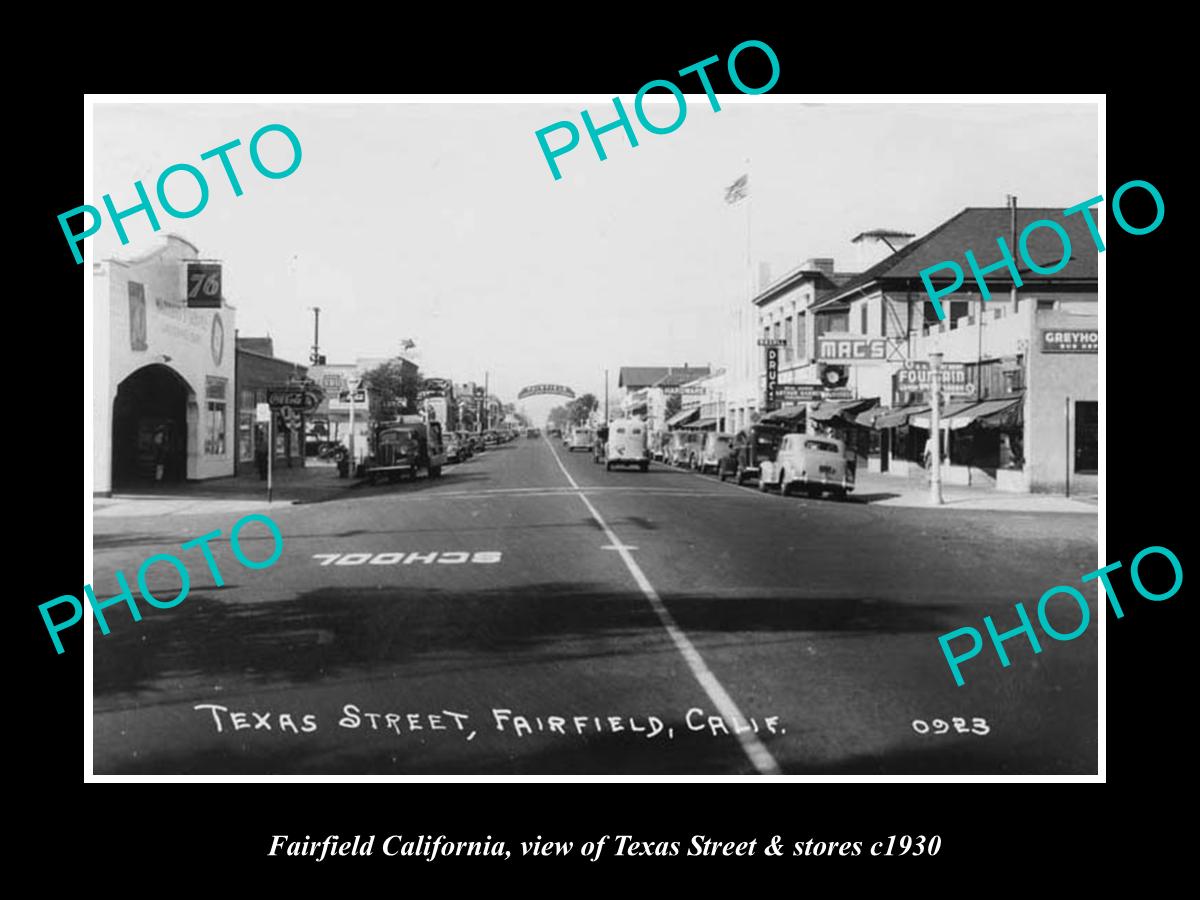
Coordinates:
(935, 422)
(487, 405)
(315, 356)
(606, 396)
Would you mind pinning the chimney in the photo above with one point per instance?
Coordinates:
(823, 264)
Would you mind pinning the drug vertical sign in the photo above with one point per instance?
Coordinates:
(772, 378)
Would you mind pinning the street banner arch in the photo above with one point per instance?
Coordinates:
(535, 389)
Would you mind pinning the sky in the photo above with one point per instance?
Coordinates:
(442, 223)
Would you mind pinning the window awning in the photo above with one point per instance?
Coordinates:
(784, 414)
(893, 418)
(829, 409)
(683, 418)
(961, 414)
(988, 409)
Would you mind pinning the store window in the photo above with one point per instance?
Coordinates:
(787, 333)
(214, 417)
(1087, 433)
(862, 324)
(801, 337)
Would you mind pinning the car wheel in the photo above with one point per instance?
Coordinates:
(785, 489)
(645, 467)
(608, 466)
(740, 476)
(435, 471)
(762, 484)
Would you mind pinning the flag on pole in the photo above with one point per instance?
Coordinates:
(739, 190)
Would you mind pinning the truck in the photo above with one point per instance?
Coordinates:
(406, 446)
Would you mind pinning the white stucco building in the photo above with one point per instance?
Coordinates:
(163, 374)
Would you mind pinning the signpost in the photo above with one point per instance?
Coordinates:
(203, 285)
(935, 431)
(804, 393)
(915, 376)
(355, 385)
(772, 342)
(299, 398)
(263, 413)
(1072, 340)
(772, 376)
(851, 348)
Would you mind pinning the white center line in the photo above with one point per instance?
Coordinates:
(759, 755)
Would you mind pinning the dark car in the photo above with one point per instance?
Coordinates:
(751, 447)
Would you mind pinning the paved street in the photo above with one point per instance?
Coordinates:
(658, 622)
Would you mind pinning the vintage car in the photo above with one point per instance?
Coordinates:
(715, 448)
(405, 448)
(581, 439)
(812, 464)
(684, 448)
(753, 446)
(627, 445)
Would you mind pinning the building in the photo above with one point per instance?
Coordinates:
(644, 389)
(164, 369)
(792, 310)
(1024, 415)
(702, 403)
(258, 371)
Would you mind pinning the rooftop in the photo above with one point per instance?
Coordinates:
(976, 228)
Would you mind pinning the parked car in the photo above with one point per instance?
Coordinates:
(405, 448)
(581, 439)
(810, 463)
(715, 447)
(455, 451)
(684, 448)
(754, 446)
(532, 433)
(627, 445)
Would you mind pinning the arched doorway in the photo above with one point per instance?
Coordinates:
(150, 440)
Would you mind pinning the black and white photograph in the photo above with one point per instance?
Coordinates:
(704, 433)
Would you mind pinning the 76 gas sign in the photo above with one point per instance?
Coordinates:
(204, 285)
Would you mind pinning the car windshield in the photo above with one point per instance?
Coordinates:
(821, 445)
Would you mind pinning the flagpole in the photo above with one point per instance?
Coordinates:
(749, 232)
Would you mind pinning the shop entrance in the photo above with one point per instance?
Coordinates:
(149, 440)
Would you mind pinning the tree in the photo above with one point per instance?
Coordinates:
(581, 408)
(395, 383)
(674, 404)
(559, 417)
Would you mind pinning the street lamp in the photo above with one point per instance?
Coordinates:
(935, 422)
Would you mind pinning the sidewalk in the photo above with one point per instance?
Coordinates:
(311, 484)
(890, 490)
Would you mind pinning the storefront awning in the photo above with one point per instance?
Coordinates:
(829, 409)
(680, 419)
(784, 414)
(961, 414)
(988, 409)
(891, 418)
(701, 424)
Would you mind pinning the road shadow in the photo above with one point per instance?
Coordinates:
(330, 631)
(871, 498)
